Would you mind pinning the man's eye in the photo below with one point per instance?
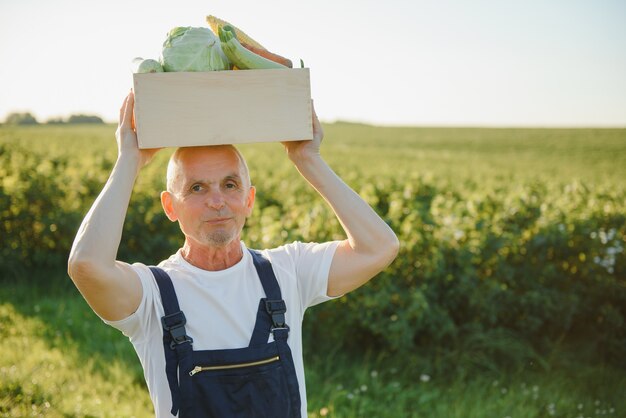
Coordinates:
(196, 188)
(231, 185)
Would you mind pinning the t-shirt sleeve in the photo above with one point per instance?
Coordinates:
(312, 264)
(138, 325)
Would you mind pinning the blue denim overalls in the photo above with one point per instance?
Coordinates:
(256, 381)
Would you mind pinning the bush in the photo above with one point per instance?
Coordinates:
(17, 118)
(544, 262)
(55, 121)
(84, 119)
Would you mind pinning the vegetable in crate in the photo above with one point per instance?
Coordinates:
(267, 54)
(241, 57)
(215, 23)
(141, 66)
(193, 49)
(247, 42)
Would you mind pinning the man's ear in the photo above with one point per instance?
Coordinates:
(250, 202)
(168, 205)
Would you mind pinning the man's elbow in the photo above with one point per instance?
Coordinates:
(76, 268)
(388, 252)
(393, 250)
(81, 269)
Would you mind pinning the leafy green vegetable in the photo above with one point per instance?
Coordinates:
(193, 49)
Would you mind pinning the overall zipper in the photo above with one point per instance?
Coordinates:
(233, 366)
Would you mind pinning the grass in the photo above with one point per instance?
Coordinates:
(58, 359)
(384, 387)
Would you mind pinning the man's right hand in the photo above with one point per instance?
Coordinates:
(126, 135)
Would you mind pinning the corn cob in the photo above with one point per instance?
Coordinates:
(216, 23)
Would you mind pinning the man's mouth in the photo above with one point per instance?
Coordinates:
(217, 220)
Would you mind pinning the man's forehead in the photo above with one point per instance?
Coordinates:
(207, 153)
(207, 157)
(190, 178)
(207, 163)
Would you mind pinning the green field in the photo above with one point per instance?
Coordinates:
(457, 154)
(508, 297)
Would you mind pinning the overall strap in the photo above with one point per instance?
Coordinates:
(176, 342)
(271, 318)
(272, 308)
(266, 274)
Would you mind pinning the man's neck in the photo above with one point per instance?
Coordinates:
(212, 258)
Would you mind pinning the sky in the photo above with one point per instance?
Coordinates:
(394, 62)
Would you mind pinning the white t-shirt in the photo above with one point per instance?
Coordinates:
(221, 308)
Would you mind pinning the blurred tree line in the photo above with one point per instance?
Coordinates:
(27, 118)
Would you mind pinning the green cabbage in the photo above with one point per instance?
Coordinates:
(193, 49)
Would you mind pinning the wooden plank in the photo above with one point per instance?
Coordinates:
(222, 107)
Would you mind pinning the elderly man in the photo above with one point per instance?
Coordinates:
(217, 327)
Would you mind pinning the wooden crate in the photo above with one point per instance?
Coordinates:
(222, 107)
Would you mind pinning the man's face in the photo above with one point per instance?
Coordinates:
(210, 196)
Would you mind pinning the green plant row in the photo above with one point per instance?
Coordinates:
(487, 259)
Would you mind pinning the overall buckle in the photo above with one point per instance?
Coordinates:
(276, 309)
(175, 325)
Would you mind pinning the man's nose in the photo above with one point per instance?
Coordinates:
(215, 200)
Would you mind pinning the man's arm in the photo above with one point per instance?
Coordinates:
(111, 287)
(371, 245)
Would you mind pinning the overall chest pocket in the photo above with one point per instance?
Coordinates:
(251, 388)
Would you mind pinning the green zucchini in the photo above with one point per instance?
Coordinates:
(241, 57)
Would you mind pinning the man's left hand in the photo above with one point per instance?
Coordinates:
(302, 150)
